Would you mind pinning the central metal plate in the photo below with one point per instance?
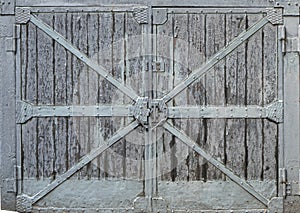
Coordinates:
(149, 112)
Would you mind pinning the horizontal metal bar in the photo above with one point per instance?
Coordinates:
(81, 56)
(273, 112)
(190, 143)
(132, 210)
(84, 9)
(165, 3)
(84, 161)
(26, 111)
(245, 10)
(215, 59)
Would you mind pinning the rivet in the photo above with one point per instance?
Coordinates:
(40, 108)
(53, 108)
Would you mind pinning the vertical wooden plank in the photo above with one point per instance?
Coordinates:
(45, 69)
(270, 95)
(133, 68)
(72, 95)
(60, 95)
(215, 85)
(254, 97)
(29, 91)
(118, 34)
(196, 93)
(235, 95)
(93, 51)
(80, 125)
(164, 51)
(105, 93)
(180, 66)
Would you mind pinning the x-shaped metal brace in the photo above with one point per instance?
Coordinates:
(144, 107)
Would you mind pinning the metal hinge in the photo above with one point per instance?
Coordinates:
(7, 7)
(10, 44)
(286, 190)
(140, 14)
(289, 44)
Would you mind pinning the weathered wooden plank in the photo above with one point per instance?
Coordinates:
(133, 78)
(196, 92)
(93, 87)
(235, 95)
(215, 83)
(106, 90)
(71, 87)
(254, 96)
(164, 51)
(45, 90)
(270, 95)
(77, 67)
(180, 66)
(29, 91)
(83, 77)
(60, 96)
(118, 35)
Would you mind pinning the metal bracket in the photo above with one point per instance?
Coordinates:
(140, 14)
(275, 111)
(25, 111)
(275, 205)
(158, 66)
(160, 16)
(10, 44)
(274, 15)
(140, 110)
(22, 15)
(7, 7)
(158, 204)
(24, 203)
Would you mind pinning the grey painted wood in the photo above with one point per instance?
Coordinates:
(164, 83)
(29, 93)
(254, 138)
(93, 88)
(133, 72)
(215, 40)
(45, 95)
(180, 71)
(196, 93)
(270, 93)
(235, 95)
(60, 97)
(7, 108)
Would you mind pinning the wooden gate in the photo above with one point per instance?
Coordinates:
(154, 107)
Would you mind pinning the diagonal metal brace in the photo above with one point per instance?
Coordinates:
(26, 111)
(273, 112)
(215, 59)
(239, 181)
(26, 201)
(81, 56)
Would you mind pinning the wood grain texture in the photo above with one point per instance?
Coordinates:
(60, 96)
(133, 78)
(254, 138)
(235, 95)
(180, 67)
(270, 83)
(29, 93)
(45, 90)
(163, 84)
(215, 83)
(196, 93)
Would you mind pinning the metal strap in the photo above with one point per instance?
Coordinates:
(81, 56)
(26, 111)
(242, 183)
(273, 112)
(215, 59)
(84, 161)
